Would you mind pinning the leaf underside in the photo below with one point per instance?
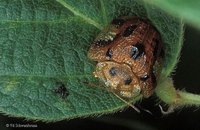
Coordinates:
(186, 9)
(46, 41)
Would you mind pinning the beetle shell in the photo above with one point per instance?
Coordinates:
(131, 46)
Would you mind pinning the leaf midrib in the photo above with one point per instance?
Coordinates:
(77, 13)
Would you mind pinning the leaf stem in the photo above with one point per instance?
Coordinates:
(77, 13)
(168, 94)
(189, 98)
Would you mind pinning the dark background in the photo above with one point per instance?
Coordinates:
(185, 77)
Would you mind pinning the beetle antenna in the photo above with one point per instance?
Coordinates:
(129, 104)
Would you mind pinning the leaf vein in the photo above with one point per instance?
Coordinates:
(46, 76)
(104, 11)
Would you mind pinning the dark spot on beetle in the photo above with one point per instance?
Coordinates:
(118, 22)
(137, 51)
(101, 43)
(128, 81)
(153, 79)
(129, 30)
(156, 47)
(162, 53)
(113, 71)
(144, 77)
(109, 53)
(61, 90)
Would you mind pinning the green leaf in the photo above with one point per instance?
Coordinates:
(189, 10)
(43, 42)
